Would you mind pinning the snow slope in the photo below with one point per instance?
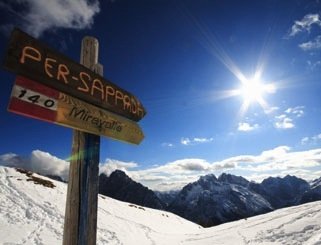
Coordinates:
(34, 214)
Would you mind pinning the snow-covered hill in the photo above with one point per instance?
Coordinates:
(31, 213)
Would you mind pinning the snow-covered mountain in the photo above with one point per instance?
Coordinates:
(284, 192)
(314, 193)
(315, 183)
(232, 179)
(167, 197)
(119, 186)
(32, 212)
(211, 201)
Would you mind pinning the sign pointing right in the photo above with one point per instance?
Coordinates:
(30, 58)
(38, 101)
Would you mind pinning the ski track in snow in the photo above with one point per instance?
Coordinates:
(145, 228)
(34, 214)
(23, 209)
(281, 236)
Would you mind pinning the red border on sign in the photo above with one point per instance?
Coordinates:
(31, 110)
(37, 87)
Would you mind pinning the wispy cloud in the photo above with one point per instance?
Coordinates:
(305, 24)
(283, 122)
(314, 64)
(311, 140)
(194, 141)
(246, 127)
(271, 109)
(38, 16)
(286, 120)
(311, 45)
(297, 111)
(166, 144)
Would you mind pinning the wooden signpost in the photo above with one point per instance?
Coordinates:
(53, 88)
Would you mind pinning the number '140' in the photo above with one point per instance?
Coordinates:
(35, 98)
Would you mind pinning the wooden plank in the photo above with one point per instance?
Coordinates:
(34, 100)
(30, 58)
(82, 196)
(71, 222)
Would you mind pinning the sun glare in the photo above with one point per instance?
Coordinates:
(252, 90)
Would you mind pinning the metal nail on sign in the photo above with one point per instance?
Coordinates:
(30, 58)
(35, 100)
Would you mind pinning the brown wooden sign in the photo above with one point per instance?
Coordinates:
(35, 100)
(30, 58)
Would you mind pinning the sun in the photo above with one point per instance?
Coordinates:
(253, 91)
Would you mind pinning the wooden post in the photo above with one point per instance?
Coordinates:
(80, 226)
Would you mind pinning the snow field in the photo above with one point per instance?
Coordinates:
(34, 214)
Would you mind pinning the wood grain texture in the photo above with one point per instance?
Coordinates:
(82, 197)
(30, 58)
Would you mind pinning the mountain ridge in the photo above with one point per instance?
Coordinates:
(211, 201)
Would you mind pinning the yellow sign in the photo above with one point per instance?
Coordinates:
(38, 101)
(83, 116)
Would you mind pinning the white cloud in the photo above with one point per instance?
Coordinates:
(283, 122)
(110, 165)
(176, 174)
(300, 173)
(281, 159)
(245, 127)
(13, 160)
(316, 137)
(203, 140)
(166, 144)
(297, 111)
(185, 141)
(271, 110)
(311, 140)
(190, 165)
(275, 153)
(47, 164)
(39, 162)
(311, 45)
(314, 64)
(304, 140)
(273, 162)
(194, 141)
(37, 16)
(305, 24)
(278, 161)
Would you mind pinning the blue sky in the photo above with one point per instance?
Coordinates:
(187, 61)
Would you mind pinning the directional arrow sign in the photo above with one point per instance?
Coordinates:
(30, 58)
(34, 100)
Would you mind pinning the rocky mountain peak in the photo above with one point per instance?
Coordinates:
(233, 179)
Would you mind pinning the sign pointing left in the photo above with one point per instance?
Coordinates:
(38, 101)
